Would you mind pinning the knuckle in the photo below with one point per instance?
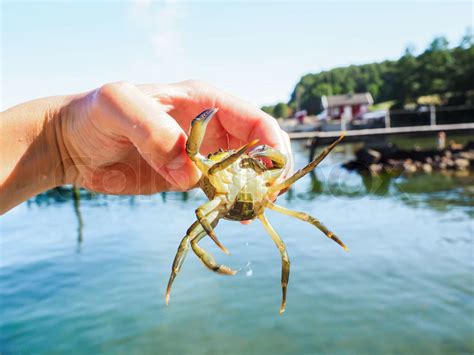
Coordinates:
(202, 90)
(110, 91)
(199, 87)
(196, 83)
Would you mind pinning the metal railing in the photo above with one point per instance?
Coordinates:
(429, 116)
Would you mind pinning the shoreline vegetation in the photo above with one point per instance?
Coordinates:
(441, 75)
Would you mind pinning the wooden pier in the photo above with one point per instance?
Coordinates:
(318, 138)
(362, 134)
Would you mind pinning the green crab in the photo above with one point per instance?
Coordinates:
(240, 186)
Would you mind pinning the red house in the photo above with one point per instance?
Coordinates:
(347, 106)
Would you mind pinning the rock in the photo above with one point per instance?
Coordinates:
(352, 165)
(469, 145)
(409, 167)
(390, 159)
(461, 164)
(469, 155)
(442, 166)
(375, 169)
(427, 168)
(368, 156)
(448, 162)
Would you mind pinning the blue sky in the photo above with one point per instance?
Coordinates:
(256, 50)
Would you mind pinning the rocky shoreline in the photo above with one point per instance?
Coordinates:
(391, 159)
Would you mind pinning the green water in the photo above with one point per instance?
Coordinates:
(407, 285)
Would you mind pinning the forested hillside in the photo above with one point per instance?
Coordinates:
(439, 69)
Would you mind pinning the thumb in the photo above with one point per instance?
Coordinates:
(156, 135)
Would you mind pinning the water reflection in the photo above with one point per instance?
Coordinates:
(61, 194)
(76, 194)
(317, 186)
(439, 191)
(182, 196)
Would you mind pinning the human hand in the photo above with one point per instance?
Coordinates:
(126, 139)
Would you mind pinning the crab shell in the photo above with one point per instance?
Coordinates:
(245, 183)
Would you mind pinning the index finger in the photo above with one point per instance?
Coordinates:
(240, 119)
(246, 122)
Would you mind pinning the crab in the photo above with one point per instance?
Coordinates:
(240, 186)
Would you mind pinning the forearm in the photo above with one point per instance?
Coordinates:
(30, 160)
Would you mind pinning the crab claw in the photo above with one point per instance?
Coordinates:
(277, 158)
(207, 114)
(198, 129)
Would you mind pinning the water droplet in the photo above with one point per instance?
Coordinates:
(249, 272)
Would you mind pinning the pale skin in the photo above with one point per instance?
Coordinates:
(122, 139)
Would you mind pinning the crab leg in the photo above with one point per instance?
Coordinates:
(226, 162)
(307, 218)
(302, 172)
(196, 136)
(285, 261)
(193, 231)
(206, 258)
(202, 213)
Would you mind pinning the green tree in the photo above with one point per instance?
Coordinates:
(462, 78)
(467, 40)
(438, 44)
(406, 81)
(438, 70)
(435, 67)
(281, 110)
(268, 109)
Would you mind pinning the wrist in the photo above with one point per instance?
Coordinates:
(64, 169)
(54, 154)
(31, 161)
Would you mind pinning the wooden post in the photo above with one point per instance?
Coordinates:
(432, 115)
(312, 149)
(387, 119)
